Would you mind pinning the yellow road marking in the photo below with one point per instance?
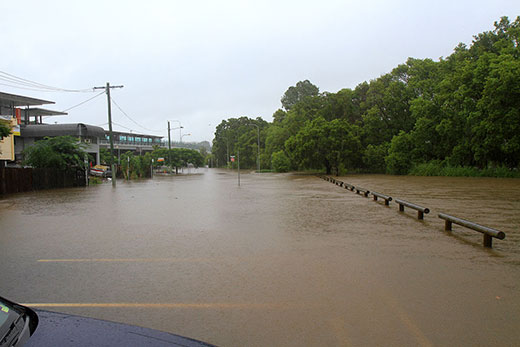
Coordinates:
(215, 305)
(122, 260)
(407, 321)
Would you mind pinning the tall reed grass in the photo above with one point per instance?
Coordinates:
(437, 169)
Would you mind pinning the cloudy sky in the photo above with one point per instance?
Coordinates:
(199, 62)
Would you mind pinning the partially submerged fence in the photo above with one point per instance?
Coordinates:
(17, 180)
(489, 233)
(382, 196)
(420, 209)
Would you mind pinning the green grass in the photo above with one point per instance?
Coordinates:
(93, 180)
(437, 169)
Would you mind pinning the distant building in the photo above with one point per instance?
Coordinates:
(89, 135)
(137, 143)
(11, 111)
(30, 128)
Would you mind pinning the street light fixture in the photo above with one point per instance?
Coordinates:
(180, 126)
(169, 140)
(184, 135)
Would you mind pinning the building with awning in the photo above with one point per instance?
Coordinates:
(28, 119)
(89, 135)
(38, 114)
(19, 106)
(11, 114)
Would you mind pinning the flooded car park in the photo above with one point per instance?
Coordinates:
(283, 259)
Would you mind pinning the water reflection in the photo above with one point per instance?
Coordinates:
(281, 260)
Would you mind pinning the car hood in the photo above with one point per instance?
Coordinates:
(58, 329)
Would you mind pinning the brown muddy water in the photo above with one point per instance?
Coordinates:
(282, 260)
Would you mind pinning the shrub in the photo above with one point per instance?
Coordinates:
(280, 162)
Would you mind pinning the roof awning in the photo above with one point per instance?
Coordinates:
(75, 129)
(43, 112)
(20, 100)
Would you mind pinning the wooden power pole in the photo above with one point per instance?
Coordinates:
(111, 137)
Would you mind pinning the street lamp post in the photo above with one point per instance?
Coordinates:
(184, 135)
(169, 147)
(258, 153)
(169, 140)
(180, 125)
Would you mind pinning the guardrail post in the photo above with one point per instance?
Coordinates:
(488, 241)
(489, 233)
(382, 196)
(420, 210)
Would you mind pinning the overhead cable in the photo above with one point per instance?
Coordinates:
(122, 126)
(139, 125)
(84, 102)
(18, 82)
(81, 103)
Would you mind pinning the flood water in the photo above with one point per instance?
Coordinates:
(282, 260)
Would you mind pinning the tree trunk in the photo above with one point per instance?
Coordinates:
(328, 167)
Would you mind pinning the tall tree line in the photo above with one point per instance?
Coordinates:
(459, 111)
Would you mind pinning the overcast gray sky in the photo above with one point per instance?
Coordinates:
(200, 62)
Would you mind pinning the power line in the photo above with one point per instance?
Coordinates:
(25, 88)
(122, 126)
(84, 102)
(139, 125)
(81, 103)
(23, 83)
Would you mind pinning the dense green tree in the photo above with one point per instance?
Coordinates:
(340, 105)
(374, 157)
(297, 93)
(105, 158)
(275, 139)
(61, 152)
(463, 110)
(322, 144)
(398, 160)
(279, 116)
(5, 130)
(240, 135)
(280, 161)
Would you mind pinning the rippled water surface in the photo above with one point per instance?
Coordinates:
(282, 260)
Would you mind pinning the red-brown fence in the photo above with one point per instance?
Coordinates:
(17, 180)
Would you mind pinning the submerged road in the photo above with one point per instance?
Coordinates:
(282, 260)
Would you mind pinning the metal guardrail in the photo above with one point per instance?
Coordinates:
(349, 186)
(489, 233)
(382, 196)
(420, 209)
(363, 191)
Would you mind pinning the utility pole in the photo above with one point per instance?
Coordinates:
(111, 136)
(169, 148)
(85, 160)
